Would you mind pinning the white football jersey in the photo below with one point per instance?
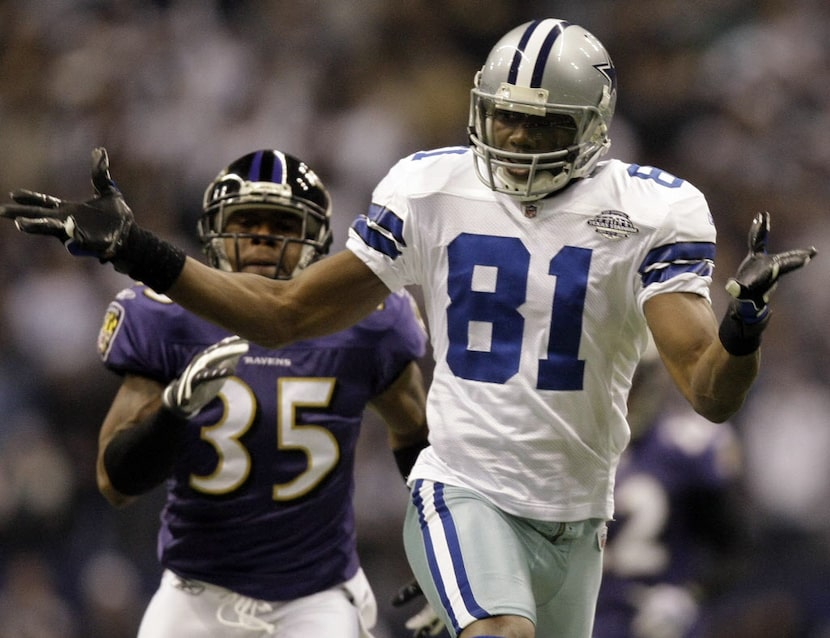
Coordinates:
(535, 316)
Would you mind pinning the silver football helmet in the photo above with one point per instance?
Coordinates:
(543, 68)
(271, 180)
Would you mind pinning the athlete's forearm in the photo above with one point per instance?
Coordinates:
(685, 331)
(326, 297)
(250, 306)
(721, 382)
(138, 458)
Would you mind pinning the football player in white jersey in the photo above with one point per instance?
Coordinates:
(543, 269)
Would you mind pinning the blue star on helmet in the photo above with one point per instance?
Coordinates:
(609, 71)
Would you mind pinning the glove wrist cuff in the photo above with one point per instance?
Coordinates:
(149, 259)
(748, 312)
(738, 337)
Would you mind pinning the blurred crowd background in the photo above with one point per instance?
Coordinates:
(733, 95)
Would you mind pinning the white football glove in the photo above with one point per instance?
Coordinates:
(426, 622)
(664, 611)
(204, 377)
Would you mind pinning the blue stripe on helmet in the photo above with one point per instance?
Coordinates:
(558, 28)
(544, 52)
(517, 56)
(256, 166)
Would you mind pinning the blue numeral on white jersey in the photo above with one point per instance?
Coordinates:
(487, 283)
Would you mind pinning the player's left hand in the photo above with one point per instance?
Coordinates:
(759, 272)
(204, 377)
(426, 622)
(97, 227)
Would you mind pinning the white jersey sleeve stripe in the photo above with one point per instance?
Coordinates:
(665, 262)
(382, 230)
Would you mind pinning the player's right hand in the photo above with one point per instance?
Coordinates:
(97, 227)
(204, 377)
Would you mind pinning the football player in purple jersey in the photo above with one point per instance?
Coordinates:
(544, 269)
(677, 536)
(256, 445)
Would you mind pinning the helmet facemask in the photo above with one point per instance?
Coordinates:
(549, 171)
(301, 195)
(544, 69)
(217, 247)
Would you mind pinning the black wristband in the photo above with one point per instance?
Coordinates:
(405, 457)
(141, 457)
(149, 259)
(738, 338)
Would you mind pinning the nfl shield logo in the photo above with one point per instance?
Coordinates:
(531, 210)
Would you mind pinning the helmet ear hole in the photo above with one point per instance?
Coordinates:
(267, 179)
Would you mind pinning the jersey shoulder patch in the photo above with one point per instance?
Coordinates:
(113, 319)
(136, 297)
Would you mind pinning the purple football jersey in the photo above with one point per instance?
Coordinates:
(672, 487)
(260, 501)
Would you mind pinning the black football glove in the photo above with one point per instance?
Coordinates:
(102, 227)
(204, 377)
(752, 285)
(426, 622)
(97, 227)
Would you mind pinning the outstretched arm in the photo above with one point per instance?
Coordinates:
(327, 297)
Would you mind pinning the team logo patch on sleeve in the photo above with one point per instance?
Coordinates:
(112, 321)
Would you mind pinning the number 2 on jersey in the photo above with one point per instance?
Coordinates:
(487, 283)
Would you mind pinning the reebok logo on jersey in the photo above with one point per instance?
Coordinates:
(613, 224)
